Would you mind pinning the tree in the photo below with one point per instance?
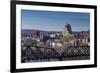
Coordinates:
(66, 39)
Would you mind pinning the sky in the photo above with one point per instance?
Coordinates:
(54, 20)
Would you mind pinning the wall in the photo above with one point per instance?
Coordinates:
(5, 36)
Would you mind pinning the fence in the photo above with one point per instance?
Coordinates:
(37, 53)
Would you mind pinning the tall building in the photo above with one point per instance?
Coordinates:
(67, 30)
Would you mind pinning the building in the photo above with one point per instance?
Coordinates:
(67, 30)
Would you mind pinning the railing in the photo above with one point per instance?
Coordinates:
(37, 53)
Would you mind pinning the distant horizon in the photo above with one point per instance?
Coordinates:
(51, 31)
(54, 21)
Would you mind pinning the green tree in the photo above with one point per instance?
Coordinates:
(66, 39)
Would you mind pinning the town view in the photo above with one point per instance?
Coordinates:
(42, 44)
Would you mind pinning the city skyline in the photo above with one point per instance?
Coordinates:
(54, 21)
